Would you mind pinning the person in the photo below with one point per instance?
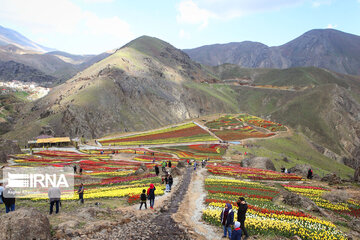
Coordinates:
(282, 169)
(242, 215)
(188, 162)
(171, 181)
(143, 199)
(167, 189)
(169, 164)
(195, 164)
(227, 219)
(1, 193)
(310, 174)
(74, 168)
(163, 166)
(157, 170)
(203, 163)
(54, 194)
(286, 171)
(151, 195)
(80, 171)
(236, 233)
(8, 198)
(81, 193)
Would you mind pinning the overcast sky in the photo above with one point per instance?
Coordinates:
(95, 26)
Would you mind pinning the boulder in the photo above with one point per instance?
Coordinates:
(258, 162)
(332, 179)
(24, 224)
(175, 172)
(355, 224)
(181, 164)
(299, 201)
(8, 147)
(142, 169)
(302, 170)
(336, 196)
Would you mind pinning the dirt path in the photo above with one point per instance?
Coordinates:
(157, 223)
(190, 210)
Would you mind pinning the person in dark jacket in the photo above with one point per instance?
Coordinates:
(227, 219)
(242, 215)
(169, 164)
(143, 199)
(310, 174)
(151, 195)
(81, 193)
(8, 198)
(236, 233)
(157, 170)
(170, 181)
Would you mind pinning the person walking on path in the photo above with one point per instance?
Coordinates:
(8, 197)
(170, 181)
(195, 164)
(167, 189)
(242, 215)
(143, 199)
(227, 219)
(310, 174)
(163, 166)
(169, 164)
(151, 195)
(54, 194)
(236, 233)
(157, 170)
(81, 193)
(1, 193)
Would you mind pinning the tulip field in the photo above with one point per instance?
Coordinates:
(263, 216)
(351, 207)
(234, 128)
(186, 133)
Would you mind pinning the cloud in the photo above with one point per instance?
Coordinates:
(183, 34)
(48, 19)
(331, 26)
(200, 12)
(98, 1)
(319, 3)
(189, 12)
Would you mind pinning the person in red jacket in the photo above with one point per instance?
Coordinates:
(151, 195)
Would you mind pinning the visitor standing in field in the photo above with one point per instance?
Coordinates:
(167, 189)
(169, 164)
(81, 193)
(236, 233)
(242, 215)
(195, 164)
(143, 199)
(151, 195)
(157, 170)
(8, 197)
(227, 219)
(310, 174)
(163, 166)
(54, 194)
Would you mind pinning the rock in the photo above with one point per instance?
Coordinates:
(181, 164)
(8, 147)
(355, 224)
(69, 224)
(91, 212)
(302, 170)
(297, 200)
(336, 196)
(175, 172)
(24, 224)
(142, 169)
(258, 162)
(332, 179)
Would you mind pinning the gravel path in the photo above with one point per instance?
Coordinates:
(154, 224)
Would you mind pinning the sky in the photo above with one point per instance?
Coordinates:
(96, 26)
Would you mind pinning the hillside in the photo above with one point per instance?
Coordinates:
(146, 84)
(323, 48)
(9, 36)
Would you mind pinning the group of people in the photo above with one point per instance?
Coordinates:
(150, 195)
(227, 220)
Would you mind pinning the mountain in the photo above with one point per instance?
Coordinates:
(148, 84)
(324, 48)
(145, 84)
(16, 71)
(9, 36)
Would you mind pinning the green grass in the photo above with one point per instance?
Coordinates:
(298, 151)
